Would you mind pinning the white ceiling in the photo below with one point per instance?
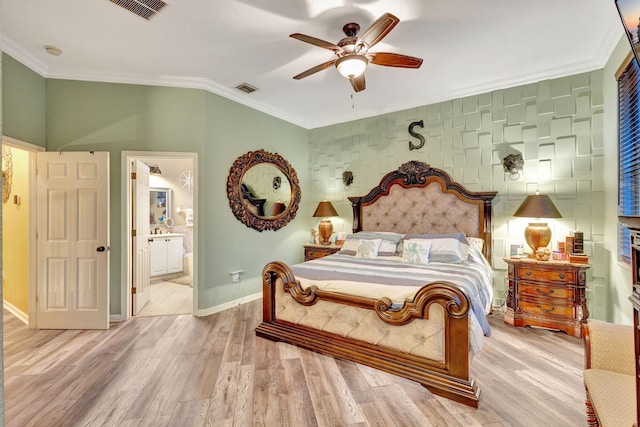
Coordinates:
(468, 47)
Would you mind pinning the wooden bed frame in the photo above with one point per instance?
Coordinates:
(448, 377)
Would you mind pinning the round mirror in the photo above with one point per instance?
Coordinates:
(263, 190)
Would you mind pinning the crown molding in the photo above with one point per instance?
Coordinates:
(24, 57)
(597, 61)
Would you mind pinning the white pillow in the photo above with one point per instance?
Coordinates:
(387, 248)
(449, 248)
(350, 246)
(368, 249)
(477, 242)
(416, 251)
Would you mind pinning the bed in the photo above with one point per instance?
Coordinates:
(423, 326)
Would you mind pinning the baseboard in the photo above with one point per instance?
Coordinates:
(208, 311)
(228, 305)
(16, 312)
(116, 318)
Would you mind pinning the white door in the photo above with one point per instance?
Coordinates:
(72, 214)
(140, 289)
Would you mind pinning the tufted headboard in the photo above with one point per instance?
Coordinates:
(417, 198)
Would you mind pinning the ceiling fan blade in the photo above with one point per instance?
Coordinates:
(378, 30)
(358, 83)
(394, 60)
(317, 42)
(315, 69)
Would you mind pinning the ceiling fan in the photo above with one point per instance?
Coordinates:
(353, 54)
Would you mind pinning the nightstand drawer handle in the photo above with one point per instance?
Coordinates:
(528, 273)
(548, 310)
(562, 276)
(545, 293)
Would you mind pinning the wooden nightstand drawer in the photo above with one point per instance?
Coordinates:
(546, 275)
(311, 253)
(319, 251)
(538, 307)
(538, 290)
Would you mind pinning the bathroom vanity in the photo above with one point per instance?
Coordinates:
(166, 254)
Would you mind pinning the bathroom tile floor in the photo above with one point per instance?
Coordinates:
(168, 298)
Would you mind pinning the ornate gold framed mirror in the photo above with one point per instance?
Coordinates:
(253, 197)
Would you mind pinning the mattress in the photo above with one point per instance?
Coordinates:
(399, 281)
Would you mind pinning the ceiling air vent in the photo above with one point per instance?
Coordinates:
(246, 87)
(146, 9)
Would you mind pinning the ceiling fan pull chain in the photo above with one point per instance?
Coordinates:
(353, 105)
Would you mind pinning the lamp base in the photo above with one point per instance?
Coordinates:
(537, 235)
(325, 229)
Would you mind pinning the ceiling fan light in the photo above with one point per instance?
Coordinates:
(351, 66)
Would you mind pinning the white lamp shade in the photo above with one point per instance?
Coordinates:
(351, 66)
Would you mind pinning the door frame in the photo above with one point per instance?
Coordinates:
(32, 285)
(126, 220)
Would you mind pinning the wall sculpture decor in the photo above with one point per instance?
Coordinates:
(513, 164)
(347, 178)
(413, 133)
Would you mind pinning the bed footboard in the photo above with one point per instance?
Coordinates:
(446, 374)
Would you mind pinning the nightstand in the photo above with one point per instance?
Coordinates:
(547, 294)
(319, 251)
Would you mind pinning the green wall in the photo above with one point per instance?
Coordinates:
(115, 117)
(23, 93)
(233, 129)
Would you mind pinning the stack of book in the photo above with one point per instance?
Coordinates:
(579, 258)
(568, 245)
(578, 242)
(572, 249)
(577, 254)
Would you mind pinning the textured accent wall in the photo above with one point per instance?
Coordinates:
(557, 126)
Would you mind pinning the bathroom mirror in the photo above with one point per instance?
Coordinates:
(263, 190)
(159, 205)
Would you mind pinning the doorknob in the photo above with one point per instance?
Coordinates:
(100, 248)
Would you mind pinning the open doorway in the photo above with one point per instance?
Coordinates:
(171, 237)
(18, 223)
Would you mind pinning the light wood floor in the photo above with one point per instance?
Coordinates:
(189, 371)
(168, 298)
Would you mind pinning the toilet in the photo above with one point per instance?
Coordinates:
(188, 264)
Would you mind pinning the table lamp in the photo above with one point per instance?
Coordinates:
(324, 210)
(537, 234)
(277, 208)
